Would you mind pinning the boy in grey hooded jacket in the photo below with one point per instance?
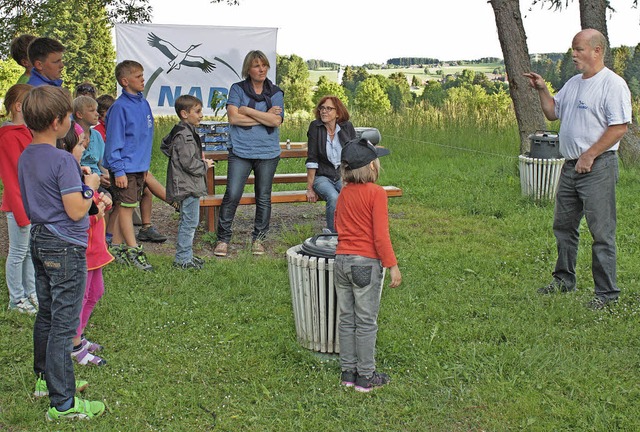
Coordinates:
(186, 177)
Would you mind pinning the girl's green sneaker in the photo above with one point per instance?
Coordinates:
(81, 409)
(42, 390)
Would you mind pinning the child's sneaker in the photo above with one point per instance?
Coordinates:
(84, 357)
(138, 259)
(34, 301)
(42, 390)
(119, 252)
(366, 384)
(150, 234)
(189, 265)
(23, 306)
(348, 378)
(81, 409)
(92, 347)
(198, 260)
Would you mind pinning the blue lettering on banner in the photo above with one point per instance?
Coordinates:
(168, 96)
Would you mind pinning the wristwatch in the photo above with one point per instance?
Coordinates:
(87, 192)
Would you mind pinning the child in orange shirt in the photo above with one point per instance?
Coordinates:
(364, 250)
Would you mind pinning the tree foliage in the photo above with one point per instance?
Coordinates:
(632, 72)
(10, 71)
(84, 27)
(411, 61)
(371, 98)
(292, 75)
(329, 88)
(352, 77)
(398, 91)
(314, 64)
(433, 94)
(621, 56)
(567, 69)
(33, 16)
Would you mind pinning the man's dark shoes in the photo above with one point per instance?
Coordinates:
(555, 286)
(599, 303)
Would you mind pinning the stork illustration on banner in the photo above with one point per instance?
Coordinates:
(178, 57)
(181, 57)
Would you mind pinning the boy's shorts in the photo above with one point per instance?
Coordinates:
(132, 194)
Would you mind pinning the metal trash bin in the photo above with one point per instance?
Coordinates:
(313, 295)
(544, 145)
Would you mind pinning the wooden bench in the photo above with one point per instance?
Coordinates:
(278, 178)
(215, 201)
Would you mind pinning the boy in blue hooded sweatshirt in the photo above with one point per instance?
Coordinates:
(127, 156)
(45, 54)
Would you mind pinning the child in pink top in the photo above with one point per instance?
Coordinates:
(14, 138)
(98, 256)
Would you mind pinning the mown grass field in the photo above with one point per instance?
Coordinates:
(332, 75)
(468, 343)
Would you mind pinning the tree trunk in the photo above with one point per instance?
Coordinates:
(513, 42)
(593, 14)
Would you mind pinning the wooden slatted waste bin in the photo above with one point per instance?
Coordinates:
(313, 294)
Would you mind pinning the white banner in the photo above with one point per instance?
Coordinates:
(202, 61)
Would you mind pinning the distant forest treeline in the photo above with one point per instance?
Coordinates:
(401, 62)
(412, 61)
(314, 64)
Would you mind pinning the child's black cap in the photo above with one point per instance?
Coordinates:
(359, 152)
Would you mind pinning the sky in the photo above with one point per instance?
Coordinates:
(355, 32)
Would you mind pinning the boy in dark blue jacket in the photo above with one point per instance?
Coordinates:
(127, 156)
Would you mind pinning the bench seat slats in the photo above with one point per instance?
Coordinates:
(278, 178)
(279, 197)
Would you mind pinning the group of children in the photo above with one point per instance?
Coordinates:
(56, 203)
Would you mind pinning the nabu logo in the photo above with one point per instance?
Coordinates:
(178, 57)
(183, 57)
(582, 105)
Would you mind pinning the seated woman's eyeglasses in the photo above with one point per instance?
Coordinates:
(326, 108)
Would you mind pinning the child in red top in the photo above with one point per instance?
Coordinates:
(14, 138)
(98, 256)
(364, 250)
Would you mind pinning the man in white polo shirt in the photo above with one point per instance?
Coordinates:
(594, 108)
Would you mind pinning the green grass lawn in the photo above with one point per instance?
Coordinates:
(332, 75)
(468, 343)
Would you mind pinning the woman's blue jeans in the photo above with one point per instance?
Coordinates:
(328, 190)
(61, 276)
(237, 173)
(19, 268)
